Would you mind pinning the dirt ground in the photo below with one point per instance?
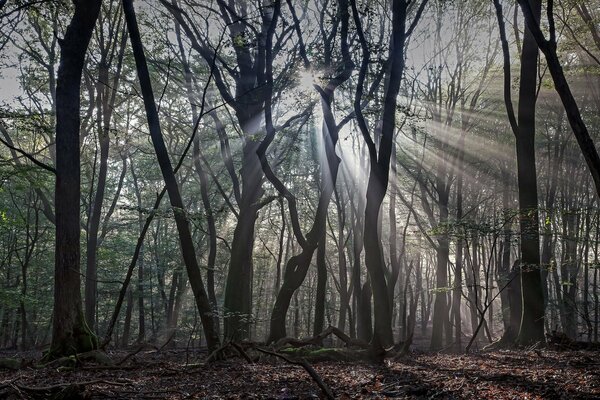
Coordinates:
(170, 374)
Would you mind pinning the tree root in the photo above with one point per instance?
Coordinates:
(75, 360)
(136, 351)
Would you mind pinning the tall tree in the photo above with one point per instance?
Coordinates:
(105, 103)
(380, 158)
(297, 266)
(523, 126)
(185, 236)
(532, 12)
(70, 333)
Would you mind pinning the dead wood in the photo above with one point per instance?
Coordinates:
(217, 354)
(311, 371)
(318, 340)
(136, 351)
(301, 362)
(75, 360)
(67, 390)
(560, 341)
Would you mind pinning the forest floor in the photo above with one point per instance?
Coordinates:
(177, 374)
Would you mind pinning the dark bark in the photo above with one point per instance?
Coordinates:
(183, 228)
(440, 306)
(127, 323)
(203, 178)
(380, 163)
(532, 320)
(140, 261)
(532, 11)
(106, 90)
(297, 266)
(319, 322)
(458, 266)
(70, 333)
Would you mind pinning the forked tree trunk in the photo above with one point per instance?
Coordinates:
(379, 175)
(297, 266)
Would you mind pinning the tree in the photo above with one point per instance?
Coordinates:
(549, 48)
(297, 266)
(106, 97)
(531, 328)
(70, 332)
(183, 228)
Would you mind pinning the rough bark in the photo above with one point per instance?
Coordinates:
(70, 333)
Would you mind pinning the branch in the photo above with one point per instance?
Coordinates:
(23, 153)
(307, 367)
(507, 79)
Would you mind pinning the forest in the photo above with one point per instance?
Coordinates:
(299, 199)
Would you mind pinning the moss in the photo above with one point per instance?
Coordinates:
(82, 340)
(10, 363)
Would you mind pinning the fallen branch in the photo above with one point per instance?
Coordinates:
(78, 359)
(68, 390)
(560, 341)
(59, 386)
(136, 351)
(311, 371)
(318, 340)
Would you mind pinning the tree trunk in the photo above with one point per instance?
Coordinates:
(183, 228)
(319, 322)
(383, 339)
(140, 261)
(70, 333)
(440, 306)
(549, 48)
(532, 320)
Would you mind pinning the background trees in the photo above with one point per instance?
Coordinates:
(343, 163)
